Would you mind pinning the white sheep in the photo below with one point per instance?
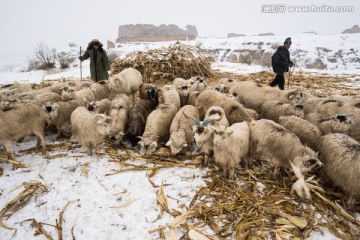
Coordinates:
(340, 155)
(128, 82)
(253, 94)
(228, 82)
(273, 109)
(308, 133)
(101, 90)
(181, 134)
(158, 122)
(119, 113)
(89, 128)
(235, 112)
(335, 124)
(85, 95)
(22, 120)
(231, 146)
(102, 106)
(284, 149)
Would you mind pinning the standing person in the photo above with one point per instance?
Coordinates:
(281, 62)
(99, 61)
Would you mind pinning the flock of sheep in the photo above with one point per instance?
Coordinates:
(295, 130)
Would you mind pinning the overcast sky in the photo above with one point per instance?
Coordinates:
(24, 23)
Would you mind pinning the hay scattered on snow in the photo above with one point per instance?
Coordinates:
(166, 64)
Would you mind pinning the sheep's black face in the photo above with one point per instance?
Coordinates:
(133, 137)
(152, 94)
(48, 108)
(341, 118)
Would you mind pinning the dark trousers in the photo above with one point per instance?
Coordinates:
(279, 80)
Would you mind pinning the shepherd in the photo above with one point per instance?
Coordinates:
(281, 62)
(99, 61)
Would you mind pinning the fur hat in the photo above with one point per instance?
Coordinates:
(287, 40)
(95, 42)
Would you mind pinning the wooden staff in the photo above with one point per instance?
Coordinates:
(80, 66)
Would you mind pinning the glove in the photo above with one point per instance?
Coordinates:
(81, 58)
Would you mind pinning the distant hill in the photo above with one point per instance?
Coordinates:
(354, 29)
(152, 33)
(231, 35)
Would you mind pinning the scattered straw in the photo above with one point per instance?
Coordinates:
(31, 189)
(60, 219)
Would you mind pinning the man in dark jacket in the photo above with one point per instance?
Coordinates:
(99, 61)
(281, 62)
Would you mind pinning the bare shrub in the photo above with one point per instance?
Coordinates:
(65, 60)
(113, 57)
(45, 58)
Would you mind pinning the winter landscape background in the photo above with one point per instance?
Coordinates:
(124, 205)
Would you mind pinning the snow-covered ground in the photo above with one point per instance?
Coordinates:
(124, 205)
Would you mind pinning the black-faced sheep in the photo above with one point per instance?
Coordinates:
(149, 91)
(89, 128)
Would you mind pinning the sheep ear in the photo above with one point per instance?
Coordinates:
(121, 134)
(229, 132)
(205, 123)
(140, 137)
(168, 143)
(197, 122)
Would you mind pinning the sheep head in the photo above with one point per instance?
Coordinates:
(103, 124)
(201, 132)
(147, 145)
(177, 142)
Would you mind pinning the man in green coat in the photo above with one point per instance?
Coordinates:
(99, 61)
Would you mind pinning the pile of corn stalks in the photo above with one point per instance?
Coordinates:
(166, 64)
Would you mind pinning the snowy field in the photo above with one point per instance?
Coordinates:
(107, 202)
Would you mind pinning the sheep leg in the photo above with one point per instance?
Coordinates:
(224, 170)
(40, 140)
(232, 173)
(9, 150)
(88, 149)
(206, 160)
(350, 203)
(276, 172)
(97, 149)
